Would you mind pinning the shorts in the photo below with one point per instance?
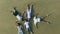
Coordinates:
(41, 19)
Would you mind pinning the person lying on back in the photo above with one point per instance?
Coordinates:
(17, 14)
(40, 19)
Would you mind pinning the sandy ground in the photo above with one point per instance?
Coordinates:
(43, 7)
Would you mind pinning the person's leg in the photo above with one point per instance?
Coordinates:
(28, 31)
(47, 22)
(31, 30)
(45, 16)
(43, 19)
(37, 24)
(23, 31)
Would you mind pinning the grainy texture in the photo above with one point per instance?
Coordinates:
(43, 7)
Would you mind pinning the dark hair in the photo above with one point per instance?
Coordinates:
(18, 24)
(27, 20)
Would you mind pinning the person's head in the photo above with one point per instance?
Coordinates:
(37, 14)
(18, 23)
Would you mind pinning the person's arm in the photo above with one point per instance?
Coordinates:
(12, 11)
(30, 9)
(24, 26)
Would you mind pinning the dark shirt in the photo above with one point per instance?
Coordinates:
(15, 13)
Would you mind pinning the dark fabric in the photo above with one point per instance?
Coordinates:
(15, 13)
(23, 19)
(41, 19)
(30, 29)
(23, 30)
(32, 11)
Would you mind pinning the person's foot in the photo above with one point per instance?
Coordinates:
(47, 22)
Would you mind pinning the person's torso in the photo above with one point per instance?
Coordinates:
(29, 14)
(38, 19)
(27, 24)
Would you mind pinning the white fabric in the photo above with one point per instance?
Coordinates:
(36, 20)
(26, 24)
(19, 17)
(29, 13)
